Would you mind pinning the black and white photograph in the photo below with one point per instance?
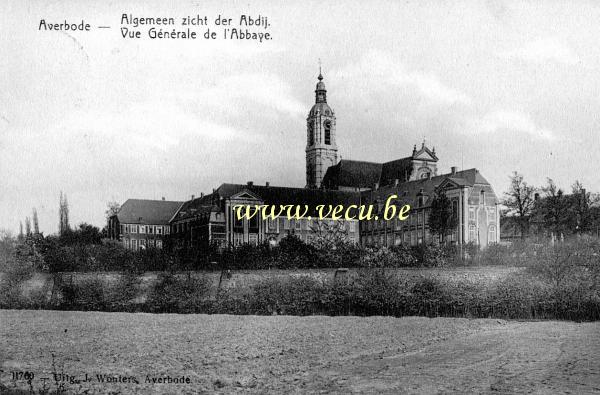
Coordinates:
(311, 197)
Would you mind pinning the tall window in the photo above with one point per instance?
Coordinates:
(492, 235)
(311, 134)
(327, 125)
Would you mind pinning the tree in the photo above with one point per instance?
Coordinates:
(328, 234)
(21, 234)
(27, 227)
(63, 213)
(553, 209)
(85, 234)
(112, 209)
(442, 219)
(582, 216)
(36, 226)
(519, 201)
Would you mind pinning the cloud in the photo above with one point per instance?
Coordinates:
(378, 69)
(499, 121)
(268, 90)
(544, 50)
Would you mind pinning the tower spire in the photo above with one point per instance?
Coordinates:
(320, 92)
(320, 73)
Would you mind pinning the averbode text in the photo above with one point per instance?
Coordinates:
(334, 212)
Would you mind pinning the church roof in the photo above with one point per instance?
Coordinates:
(399, 169)
(352, 173)
(151, 212)
(360, 175)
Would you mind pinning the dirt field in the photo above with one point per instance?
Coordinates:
(274, 354)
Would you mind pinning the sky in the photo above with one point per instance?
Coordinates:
(501, 86)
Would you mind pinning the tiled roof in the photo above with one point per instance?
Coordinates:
(408, 192)
(198, 206)
(399, 169)
(352, 173)
(142, 211)
(360, 175)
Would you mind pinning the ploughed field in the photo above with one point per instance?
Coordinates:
(274, 354)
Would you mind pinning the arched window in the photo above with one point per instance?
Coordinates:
(311, 134)
(327, 125)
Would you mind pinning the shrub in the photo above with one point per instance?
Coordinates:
(87, 294)
(178, 294)
(290, 295)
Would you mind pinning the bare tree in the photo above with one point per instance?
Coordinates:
(27, 227)
(112, 209)
(582, 217)
(63, 212)
(328, 234)
(36, 225)
(553, 208)
(519, 201)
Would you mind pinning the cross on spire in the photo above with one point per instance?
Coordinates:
(320, 74)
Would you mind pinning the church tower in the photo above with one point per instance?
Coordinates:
(321, 145)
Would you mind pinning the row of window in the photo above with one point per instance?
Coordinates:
(145, 229)
(142, 244)
(421, 218)
(474, 234)
(275, 225)
(391, 239)
(490, 213)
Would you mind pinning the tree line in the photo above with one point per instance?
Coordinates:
(547, 210)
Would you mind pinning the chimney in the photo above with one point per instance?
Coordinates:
(396, 182)
(267, 183)
(201, 194)
(250, 183)
(536, 196)
(163, 198)
(193, 197)
(453, 169)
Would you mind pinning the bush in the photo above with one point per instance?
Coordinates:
(179, 294)
(290, 295)
(87, 294)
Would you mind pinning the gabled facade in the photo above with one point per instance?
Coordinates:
(473, 200)
(142, 223)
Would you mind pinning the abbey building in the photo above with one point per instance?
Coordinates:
(415, 179)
